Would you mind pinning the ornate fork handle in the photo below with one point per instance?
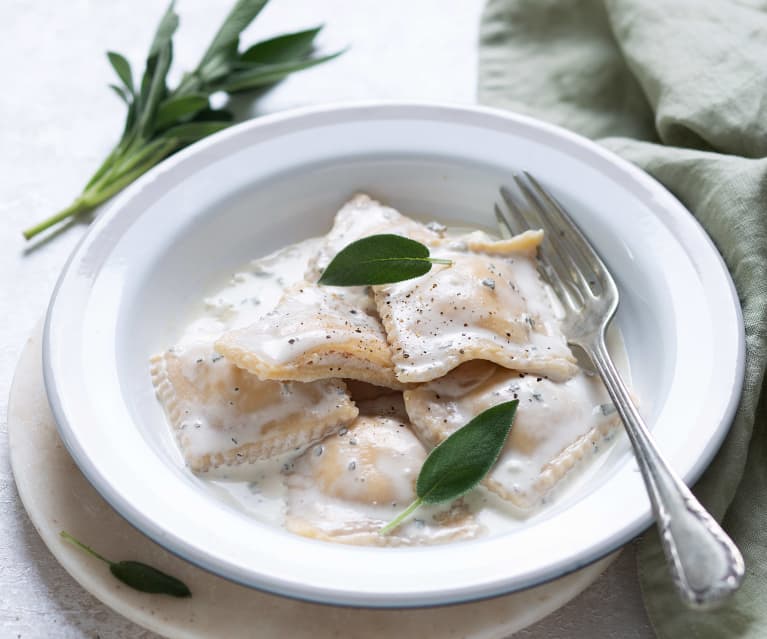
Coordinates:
(705, 564)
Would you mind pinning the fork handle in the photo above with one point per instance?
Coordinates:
(705, 564)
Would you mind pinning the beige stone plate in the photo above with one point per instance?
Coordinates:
(58, 497)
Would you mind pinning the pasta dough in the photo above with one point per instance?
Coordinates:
(361, 217)
(556, 424)
(482, 307)
(313, 333)
(349, 486)
(223, 415)
(300, 386)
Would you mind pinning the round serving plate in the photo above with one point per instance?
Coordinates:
(188, 224)
(57, 497)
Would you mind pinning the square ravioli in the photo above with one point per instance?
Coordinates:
(350, 485)
(361, 217)
(557, 425)
(313, 333)
(488, 304)
(223, 415)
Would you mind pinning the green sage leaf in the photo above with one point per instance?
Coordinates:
(161, 120)
(153, 82)
(165, 29)
(462, 460)
(378, 259)
(121, 93)
(193, 131)
(135, 574)
(283, 48)
(172, 110)
(238, 19)
(147, 579)
(261, 75)
(122, 69)
(213, 115)
(154, 90)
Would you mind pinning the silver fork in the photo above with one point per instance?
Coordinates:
(705, 564)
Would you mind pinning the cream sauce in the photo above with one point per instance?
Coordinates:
(258, 488)
(495, 309)
(250, 293)
(556, 424)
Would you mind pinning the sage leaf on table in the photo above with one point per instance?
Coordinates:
(379, 259)
(137, 575)
(462, 460)
(161, 120)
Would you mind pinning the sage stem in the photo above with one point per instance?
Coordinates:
(67, 537)
(401, 517)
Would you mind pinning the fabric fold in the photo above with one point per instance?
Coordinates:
(678, 88)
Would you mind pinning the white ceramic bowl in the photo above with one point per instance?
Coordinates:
(189, 223)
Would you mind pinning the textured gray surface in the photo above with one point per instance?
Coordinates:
(59, 119)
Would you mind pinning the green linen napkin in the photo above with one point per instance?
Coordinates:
(678, 87)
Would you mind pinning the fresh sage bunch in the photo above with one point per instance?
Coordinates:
(462, 460)
(161, 120)
(379, 259)
(137, 575)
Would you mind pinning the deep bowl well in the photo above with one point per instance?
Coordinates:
(191, 222)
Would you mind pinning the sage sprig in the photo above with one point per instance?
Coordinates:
(137, 575)
(379, 259)
(462, 460)
(161, 120)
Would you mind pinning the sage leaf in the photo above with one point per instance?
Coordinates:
(262, 75)
(462, 460)
(379, 259)
(163, 35)
(193, 131)
(240, 16)
(160, 119)
(213, 115)
(122, 69)
(135, 574)
(121, 93)
(147, 579)
(174, 109)
(284, 48)
(154, 89)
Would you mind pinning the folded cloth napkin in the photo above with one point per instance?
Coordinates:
(678, 87)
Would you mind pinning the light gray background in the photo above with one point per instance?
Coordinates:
(58, 120)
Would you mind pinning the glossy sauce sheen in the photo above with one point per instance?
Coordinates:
(259, 488)
(256, 488)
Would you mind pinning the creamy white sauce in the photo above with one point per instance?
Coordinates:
(495, 308)
(258, 488)
(250, 293)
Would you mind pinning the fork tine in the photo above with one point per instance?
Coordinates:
(581, 275)
(552, 268)
(509, 225)
(504, 226)
(584, 254)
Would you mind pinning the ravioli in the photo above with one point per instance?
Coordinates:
(557, 425)
(349, 486)
(364, 392)
(480, 242)
(312, 334)
(344, 390)
(483, 306)
(223, 415)
(363, 216)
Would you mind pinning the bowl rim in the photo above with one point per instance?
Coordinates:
(466, 114)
